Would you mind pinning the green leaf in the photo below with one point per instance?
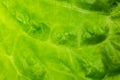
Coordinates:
(59, 40)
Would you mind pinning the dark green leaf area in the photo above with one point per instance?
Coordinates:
(65, 38)
(97, 5)
(40, 31)
(111, 57)
(94, 36)
(30, 22)
(95, 39)
(95, 74)
(115, 14)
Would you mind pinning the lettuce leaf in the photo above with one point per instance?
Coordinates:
(59, 40)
